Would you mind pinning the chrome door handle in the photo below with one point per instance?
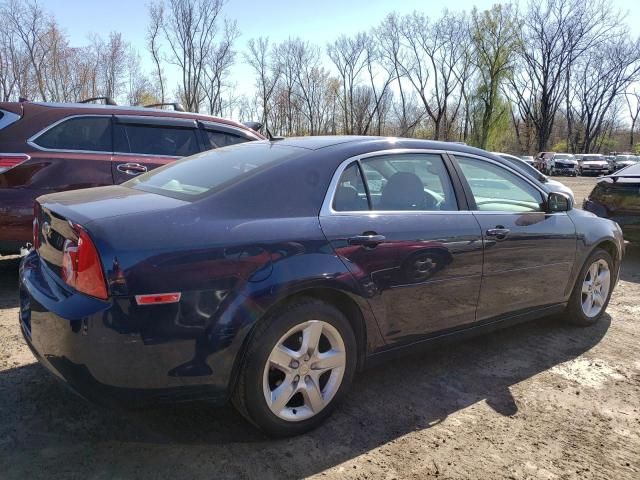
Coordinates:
(131, 168)
(367, 240)
(500, 233)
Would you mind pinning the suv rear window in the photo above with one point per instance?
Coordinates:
(154, 140)
(222, 139)
(79, 133)
(213, 170)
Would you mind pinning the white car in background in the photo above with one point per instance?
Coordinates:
(592, 164)
(533, 172)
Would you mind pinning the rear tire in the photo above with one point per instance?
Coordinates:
(592, 291)
(299, 365)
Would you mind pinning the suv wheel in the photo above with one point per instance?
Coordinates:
(299, 365)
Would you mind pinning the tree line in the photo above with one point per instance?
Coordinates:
(550, 74)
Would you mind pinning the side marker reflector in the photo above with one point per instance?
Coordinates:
(158, 298)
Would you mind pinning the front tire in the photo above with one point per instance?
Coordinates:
(299, 365)
(592, 291)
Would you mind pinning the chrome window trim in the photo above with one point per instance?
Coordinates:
(125, 154)
(327, 205)
(8, 118)
(327, 209)
(31, 141)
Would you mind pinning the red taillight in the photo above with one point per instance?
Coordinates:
(158, 298)
(10, 160)
(81, 267)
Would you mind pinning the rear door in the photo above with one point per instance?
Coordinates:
(528, 254)
(396, 221)
(142, 143)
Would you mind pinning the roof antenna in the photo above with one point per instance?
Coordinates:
(271, 137)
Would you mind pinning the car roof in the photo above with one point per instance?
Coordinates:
(377, 143)
(89, 108)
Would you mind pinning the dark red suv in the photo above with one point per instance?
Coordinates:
(49, 147)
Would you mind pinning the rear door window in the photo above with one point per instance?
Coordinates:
(79, 133)
(156, 140)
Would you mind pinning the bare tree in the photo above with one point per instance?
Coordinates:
(634, 113)
(601, 78)
(554, 35)
(348, 55)
(154, 29)
(433, 53)
(260, 57)
(30, 25)
(218, 65)
(191, 28)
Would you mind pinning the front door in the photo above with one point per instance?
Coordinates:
(528, 253)
(394, 220)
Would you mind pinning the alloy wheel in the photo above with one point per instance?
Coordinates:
(304, 370)
(595, 288)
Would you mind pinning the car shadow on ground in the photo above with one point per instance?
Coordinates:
(386, 402)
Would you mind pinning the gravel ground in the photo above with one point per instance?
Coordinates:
(540, 400)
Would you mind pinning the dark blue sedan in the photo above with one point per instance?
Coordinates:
(270, 272)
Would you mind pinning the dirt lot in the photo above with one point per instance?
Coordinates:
(541, 400)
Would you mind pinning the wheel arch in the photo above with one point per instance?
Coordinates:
(362, 322)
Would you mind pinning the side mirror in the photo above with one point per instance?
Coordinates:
(558, 202)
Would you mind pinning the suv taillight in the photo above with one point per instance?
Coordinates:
(10, 160)
(81, 268)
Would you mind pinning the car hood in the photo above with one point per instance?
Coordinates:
(600, 163)
(565, 161)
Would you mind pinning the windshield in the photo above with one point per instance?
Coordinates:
(203, 174)
(593, 158)
(563, 156)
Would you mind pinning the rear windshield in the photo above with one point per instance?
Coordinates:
(621, 195)
(200, 175)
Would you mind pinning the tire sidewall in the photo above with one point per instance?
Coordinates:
(279, 324)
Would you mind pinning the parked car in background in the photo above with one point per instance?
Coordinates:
(592, 164)
(611, 160)
(561, 164)
(617, 197)
(528, 159)
(554, 185)
(625, 160)
(277, 270)
(541, 160)
(50, 147)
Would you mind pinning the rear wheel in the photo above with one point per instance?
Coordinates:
(299, 365)
(592, 291)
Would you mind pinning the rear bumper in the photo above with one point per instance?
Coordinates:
(106, 353)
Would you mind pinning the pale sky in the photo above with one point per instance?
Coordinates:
(316, 21)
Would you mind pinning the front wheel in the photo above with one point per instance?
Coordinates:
(299, 364)
(592, 291)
